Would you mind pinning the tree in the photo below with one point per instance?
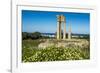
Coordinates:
(36, 35)
(24, 35)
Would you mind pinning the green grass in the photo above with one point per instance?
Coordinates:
(31, 53)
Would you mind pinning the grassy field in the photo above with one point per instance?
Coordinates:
(32, 53)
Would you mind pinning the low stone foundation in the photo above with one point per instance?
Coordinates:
(80, 43)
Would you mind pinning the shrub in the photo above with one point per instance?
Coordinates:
(56, 54)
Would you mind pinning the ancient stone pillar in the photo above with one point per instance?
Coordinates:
(61, 21)
(58, 27)
(69, 32)
(58, 30)
(64, 31)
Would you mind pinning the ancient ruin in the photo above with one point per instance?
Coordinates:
(61, 20)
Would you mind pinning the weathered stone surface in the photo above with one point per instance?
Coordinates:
(65, 43)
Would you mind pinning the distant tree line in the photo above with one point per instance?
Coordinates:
(34, 35)
(38, 35)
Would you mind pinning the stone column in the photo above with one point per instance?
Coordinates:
(64, 31)
(58, 27)
(61, 21)
(69, 32)
(60, 30)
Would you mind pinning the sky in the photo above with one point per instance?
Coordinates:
(46, 21)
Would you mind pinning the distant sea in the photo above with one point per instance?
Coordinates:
(73, 34)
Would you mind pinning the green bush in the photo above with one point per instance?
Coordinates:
(32, 53)
(54, 54)
(34, 35)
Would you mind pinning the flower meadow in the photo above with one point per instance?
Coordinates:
(41, 51)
